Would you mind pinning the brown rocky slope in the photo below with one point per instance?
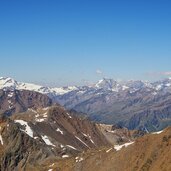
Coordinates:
(33, 139)
(16, 101)
(148, 153)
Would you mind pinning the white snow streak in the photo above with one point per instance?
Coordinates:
(119, 147)
(79, 159)
(27, 129)
(59, 130)
(109, 150)
(82, 141)
(65, 156)
(159, 132)
(71, 147)
(1, 140)
(47, 141)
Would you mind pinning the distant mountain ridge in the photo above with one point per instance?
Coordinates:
(133, 104)
(8, 83)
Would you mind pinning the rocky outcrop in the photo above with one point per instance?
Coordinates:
(18, 150)
(15, 101)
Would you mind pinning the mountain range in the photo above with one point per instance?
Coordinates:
(37, 133)
(132, 104)
(34, 132)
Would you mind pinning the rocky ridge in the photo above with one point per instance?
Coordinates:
(33, 138)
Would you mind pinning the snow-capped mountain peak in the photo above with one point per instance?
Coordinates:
(105, 84)
(8, 83)
(101, 87)
(117, 86)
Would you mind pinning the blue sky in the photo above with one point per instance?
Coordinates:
(61, 42)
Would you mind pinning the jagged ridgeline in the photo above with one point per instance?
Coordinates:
(132, 104)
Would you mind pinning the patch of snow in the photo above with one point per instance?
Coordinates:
(52, 165)
(146, 130)
(47, 141)
(79, 159)
(10, 104)
(40, 120)
(65, 156)
(115, 90)
(71, 147)
(62, 146)
(1, 140)
(85, 134)
(37, 115)
(10, 94)
(98, 84)
(59, 130)
(82, 141)
(81, 92)
(64, 90)
(124, 87)
(9, 101)
(100, 93)
(45, 115)
(40, 117)
(154, 93)
(45, 108)
(36, 138)
(27, 129)
(109, 150)
(133, 90)
(91, 139)
(159, 87)
(119, 147)
(159, 132)
(69, 115)
(168, 85)
(88, 137)
(111, 131)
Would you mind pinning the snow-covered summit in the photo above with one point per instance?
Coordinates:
(117, 86)
(7, 83)
(163, 84)
(107, 84)
(100, 87)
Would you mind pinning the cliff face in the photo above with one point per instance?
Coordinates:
(15, 101)
(20, 151)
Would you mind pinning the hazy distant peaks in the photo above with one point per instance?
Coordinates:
(105, 84)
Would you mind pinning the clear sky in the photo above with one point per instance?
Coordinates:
(61, 42)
